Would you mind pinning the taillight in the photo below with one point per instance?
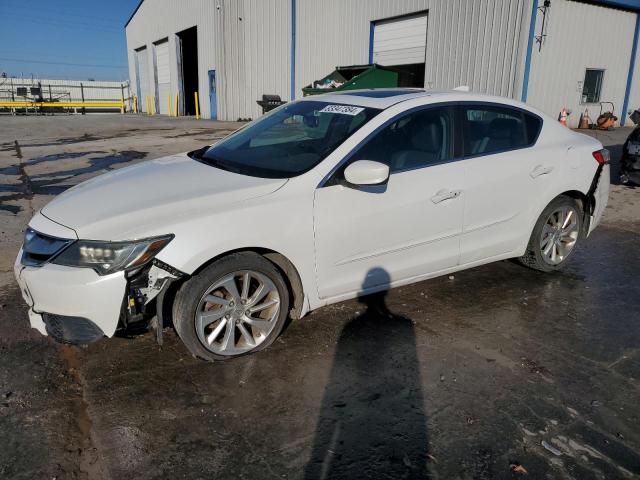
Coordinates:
(602, 156)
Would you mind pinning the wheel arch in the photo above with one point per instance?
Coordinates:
(285, 266)
(576, 195)
(581, 197)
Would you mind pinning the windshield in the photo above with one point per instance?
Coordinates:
(288, 141)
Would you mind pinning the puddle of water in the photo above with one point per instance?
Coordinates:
(13, 169)
(10, 187)
(62, 156)
(66, 141)
(12, 209)
(95, 165)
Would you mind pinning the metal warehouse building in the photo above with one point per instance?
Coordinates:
(551, 54)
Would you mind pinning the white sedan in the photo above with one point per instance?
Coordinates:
(323, 199)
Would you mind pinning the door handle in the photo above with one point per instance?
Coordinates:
(540, 170)
(444, 194)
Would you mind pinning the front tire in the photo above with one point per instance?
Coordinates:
(555, 235)
(235, 306)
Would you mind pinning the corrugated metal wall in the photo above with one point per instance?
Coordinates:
(469, 42)
(581, 36)
(253, 60)
(255, 54)
(477, 43)
(160, 19)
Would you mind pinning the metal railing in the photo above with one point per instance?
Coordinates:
(25, 95)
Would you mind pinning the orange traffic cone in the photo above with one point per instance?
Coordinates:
(584, 119)
(562, 118)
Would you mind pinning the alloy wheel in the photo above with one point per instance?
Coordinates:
(237, 313)
(559, 235)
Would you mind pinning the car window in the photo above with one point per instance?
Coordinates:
(490, 129)
(296, 128)
(533, 125)
(419, 139)
(288, 141)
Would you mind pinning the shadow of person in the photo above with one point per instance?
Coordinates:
(372, 423)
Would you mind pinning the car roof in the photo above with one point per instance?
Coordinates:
(383, 98)
(380, 98)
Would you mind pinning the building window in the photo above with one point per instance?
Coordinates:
(592, 85)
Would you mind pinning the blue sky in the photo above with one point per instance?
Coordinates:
(66, 39)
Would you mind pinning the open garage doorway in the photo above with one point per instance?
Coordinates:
(187, 45)
(401, 43)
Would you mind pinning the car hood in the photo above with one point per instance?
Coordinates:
(148, 197)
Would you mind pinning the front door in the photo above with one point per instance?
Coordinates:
(369, 237)
(213, 102)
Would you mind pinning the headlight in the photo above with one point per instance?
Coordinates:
(110, 257)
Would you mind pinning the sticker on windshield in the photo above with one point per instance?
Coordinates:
(343, 109)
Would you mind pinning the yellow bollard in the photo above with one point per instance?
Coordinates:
(177, 112)
(195, 94)
(169, 105)
(121, 104)
(135, 104)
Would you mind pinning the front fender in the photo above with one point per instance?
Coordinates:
(283, 226)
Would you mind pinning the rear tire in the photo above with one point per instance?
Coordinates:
(555, 235)
(235, 306)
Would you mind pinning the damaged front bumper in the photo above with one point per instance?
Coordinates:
(76, 305)
(71, 304)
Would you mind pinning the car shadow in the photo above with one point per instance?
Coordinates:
(372, 422)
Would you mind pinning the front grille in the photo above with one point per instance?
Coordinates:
(39, 248)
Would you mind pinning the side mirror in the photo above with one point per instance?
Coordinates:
(366, 172)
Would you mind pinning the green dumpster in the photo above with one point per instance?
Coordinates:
(356, 77)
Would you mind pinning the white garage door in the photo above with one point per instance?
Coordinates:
(142, 74)
(162, 74)
(400, 41)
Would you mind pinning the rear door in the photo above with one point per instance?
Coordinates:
(503, 172)
(367, 237)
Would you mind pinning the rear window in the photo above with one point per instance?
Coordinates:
(492, 129)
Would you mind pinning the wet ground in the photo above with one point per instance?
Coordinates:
(490, 373)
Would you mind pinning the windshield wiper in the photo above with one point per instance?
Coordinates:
(208, 160)
(214, 162)
(197, 154)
